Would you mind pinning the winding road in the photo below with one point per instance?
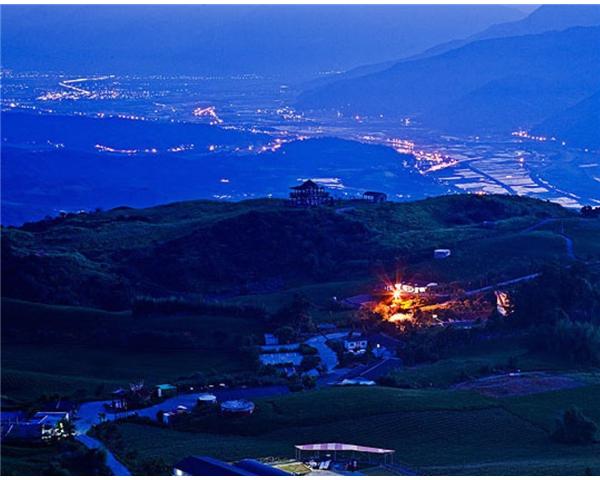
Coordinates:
(93, 413)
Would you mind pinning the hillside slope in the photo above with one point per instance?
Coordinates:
(105, 258)
(579, 125)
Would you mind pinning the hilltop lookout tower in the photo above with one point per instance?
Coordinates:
(309, 194)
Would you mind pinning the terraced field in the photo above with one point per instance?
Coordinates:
(433, 431)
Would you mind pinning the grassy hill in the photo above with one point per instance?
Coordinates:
(87, 353)
(104, 259)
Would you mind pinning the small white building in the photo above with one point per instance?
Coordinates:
(440, 253)
(290, 358)
(355, 344)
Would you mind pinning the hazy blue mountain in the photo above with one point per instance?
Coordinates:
(292, 39)
(499, 83)
(544, 19)
(541, 19)
(579, 125)
(39, 179)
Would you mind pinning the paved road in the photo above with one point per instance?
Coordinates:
(569, 246)
(525, 278)
(328, 356)
(89, 415)
(189, 399)
(539, 224)
(115, 466)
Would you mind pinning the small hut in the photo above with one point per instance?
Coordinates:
(206, 399)
(309, 194)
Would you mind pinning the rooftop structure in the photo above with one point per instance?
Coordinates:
(208, 466)
(42, 426)
(206, 399)
(440, 253)
(289, 358)
(382, 455)
(309, 194)
(60, 405)
(258, 468)
(355, 343)
(237, 407)
(166, 390)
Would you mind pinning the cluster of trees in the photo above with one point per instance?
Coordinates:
(560, 310)
(590, 212)
(573, 427)
(75, 459)
(293, 320)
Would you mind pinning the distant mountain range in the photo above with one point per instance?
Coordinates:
(579, 125)
(492, 82)
(290, 41)
(544, 19)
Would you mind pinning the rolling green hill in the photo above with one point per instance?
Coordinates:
(104, 259)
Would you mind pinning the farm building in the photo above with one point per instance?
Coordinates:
(119, 399)
(355, 344)
(61, 405)
(205, 466)
(208, 466)
(166, 390)
(384, 346)
(43, 426)
(206, 399)
(375, 197)
(237, 408)
(288, 358)
(344, 451)
(257, 468)
(309, 194)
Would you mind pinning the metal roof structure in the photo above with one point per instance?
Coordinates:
(342, 447)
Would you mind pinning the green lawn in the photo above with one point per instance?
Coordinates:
(543, 408)
(475, 363)
(585, 233)
(500, 257)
